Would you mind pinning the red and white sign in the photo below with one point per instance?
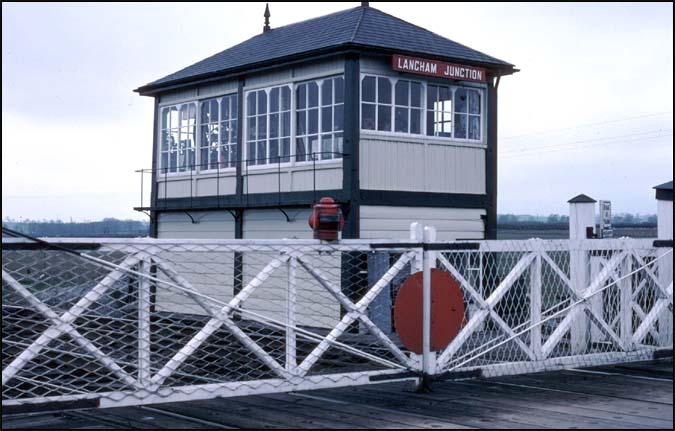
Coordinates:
(440, 69)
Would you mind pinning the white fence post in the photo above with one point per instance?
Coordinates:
(582, 216)
(291, 361)
(144, 323)
(664, 208)
(428, 357)
(535, 302)
(626, 298)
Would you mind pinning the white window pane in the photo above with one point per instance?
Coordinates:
(300, 150)
(383, 90)
(402, 89)
(326, 119)
(474, 102)
(401, 120)
(460, 126)
(368, 89)
(474, 127)
(326, 147)
(368, 116)
(384, 118)
(339, 90)
(460, 100)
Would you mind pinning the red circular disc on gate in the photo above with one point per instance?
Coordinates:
(447, 311)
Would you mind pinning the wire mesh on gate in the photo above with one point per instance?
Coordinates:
(537, 305)
(172, 319)
(144, 321)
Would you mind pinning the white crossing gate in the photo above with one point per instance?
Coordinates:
(140, 321)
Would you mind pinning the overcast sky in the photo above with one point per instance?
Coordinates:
(590, 112)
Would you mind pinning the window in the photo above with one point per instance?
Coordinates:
(439, 111)
(218, 143)
(178, 135)
(467, 114)
(379, 99)
(319, 119)
(408, 107)
(268, 121)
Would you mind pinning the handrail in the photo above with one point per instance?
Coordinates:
(227, 168)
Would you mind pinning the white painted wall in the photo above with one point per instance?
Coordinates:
(389, 162)
(211, 225)
(664, 214)
(394, 222)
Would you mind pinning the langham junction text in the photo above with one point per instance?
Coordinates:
(437, 68)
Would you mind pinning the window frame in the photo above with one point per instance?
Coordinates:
(164, 171)
(293, 112)
(161, 173)
(453, 85)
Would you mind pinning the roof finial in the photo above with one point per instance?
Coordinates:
(365, 4)
(267, 18)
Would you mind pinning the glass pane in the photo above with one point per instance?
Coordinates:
(446, 129)
(474, 101)
(250, 104)
(301, 96)
(338, 117)
(285, 150)
(430, 123)
(326, 147)
(312, 94)
(416, 121)
(338, 145)
(432, 96)
(460, 100)
(165, 141)
(224, 135)
(286, 124)
(383, 90)
(460, 126)
(300, 150)
(262, 102)
(367, 116)
(225, 103)
(301, 123)
(339, 90)
(285, 98)
(368, 89)
(213, 162)
(173, 162)
(274, 100)
(261, 155)
(401, 97)
(415, 94)
(401, 120)
(234, 131)
(250, 156)
(474, 127)
(327, 92)
(205, 111)
(234, 106)
(384, 118)
(314, 149)
(326, 119)
(166, 118)
(444, 99)
(274, 151)
(164, 162)
(274, 125)
(204, 162)
(262, 127)
(312, 120)
(251, 129)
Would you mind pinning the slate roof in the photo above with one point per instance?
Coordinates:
(581, 199)
(665, 186)
(360, 27)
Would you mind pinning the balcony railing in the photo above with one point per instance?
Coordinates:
(191, 172)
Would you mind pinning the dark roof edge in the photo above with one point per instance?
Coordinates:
(582, 199)
(151, 90)
(664, 192)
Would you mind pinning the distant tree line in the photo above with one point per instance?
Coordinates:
(108, 227)
(558, 221)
